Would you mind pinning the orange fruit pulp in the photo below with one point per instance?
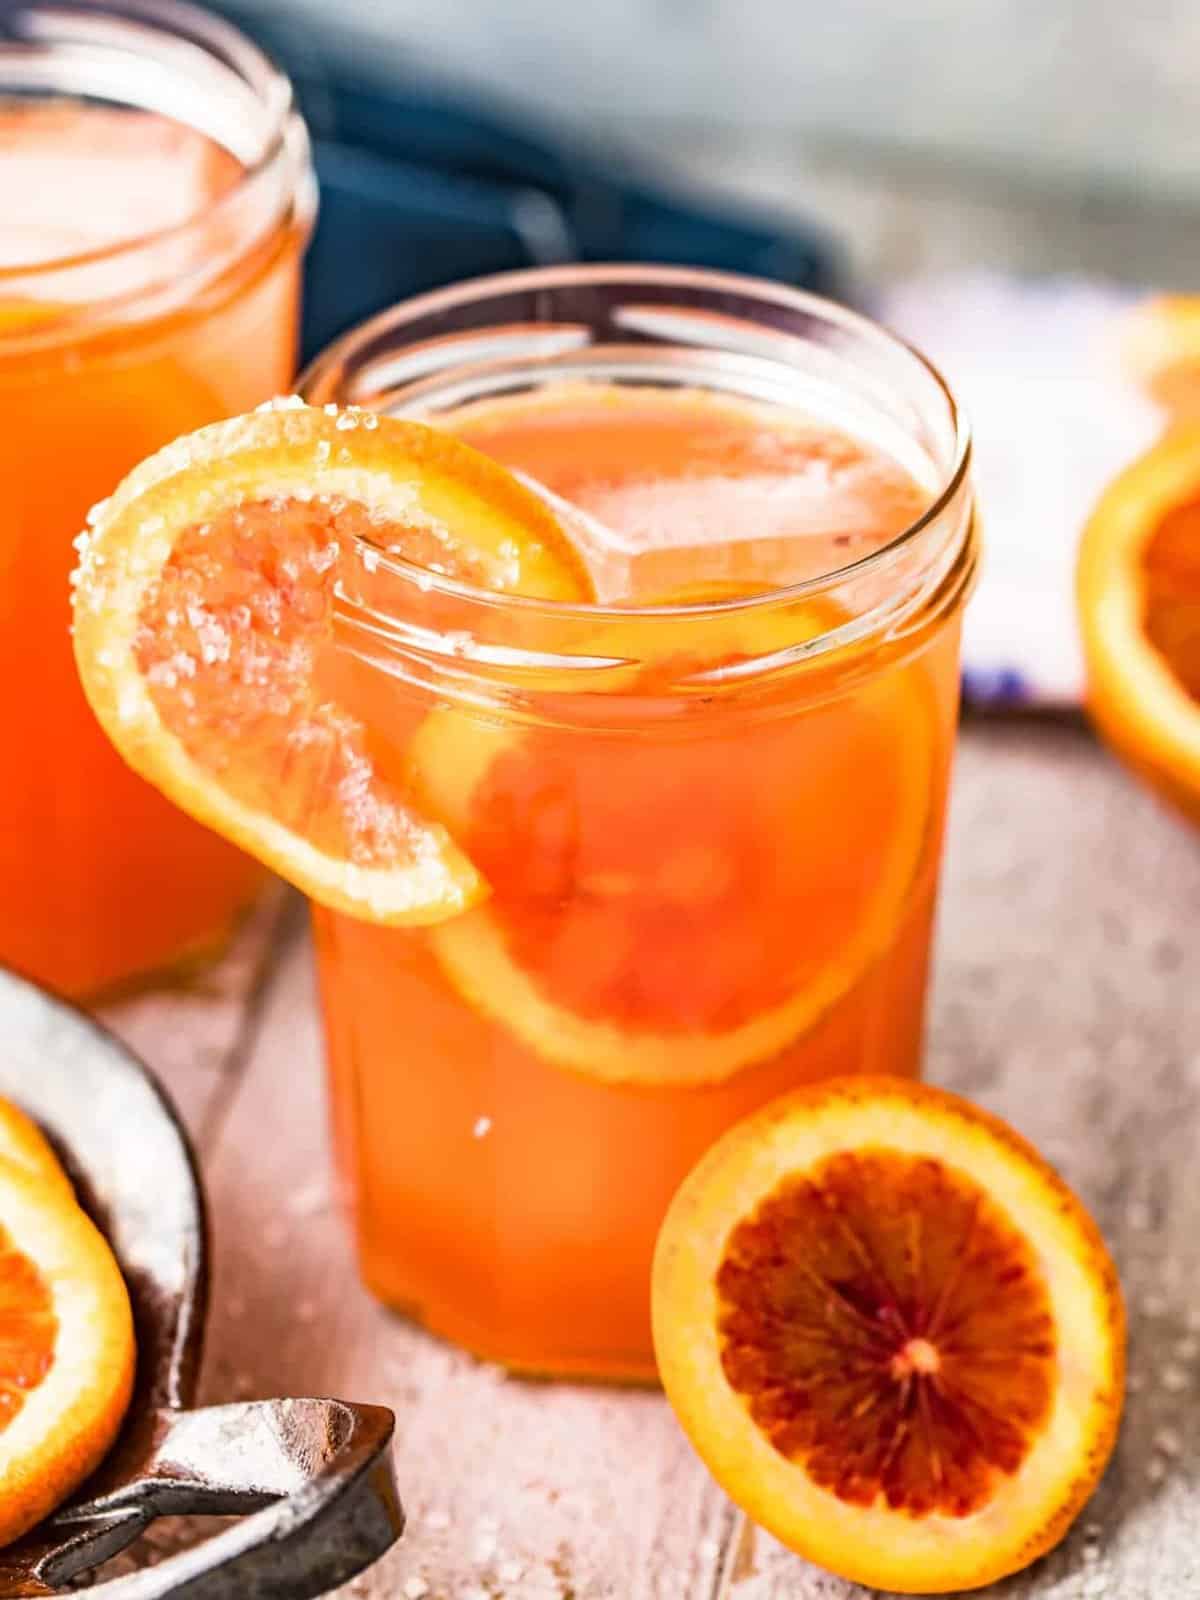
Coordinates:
(686, 915)
(101, 878)
(892, 1333)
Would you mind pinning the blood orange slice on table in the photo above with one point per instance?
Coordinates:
(66, 1348)
(673, 906)
(892, 1333)
(1138, 587)
(204, 614)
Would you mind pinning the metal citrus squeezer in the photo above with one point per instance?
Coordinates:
(310, 1481)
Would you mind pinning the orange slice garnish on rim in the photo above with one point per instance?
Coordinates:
(671, 906)
(892, 1333)
(204, 624)
(67, 1351)
(1138, 586)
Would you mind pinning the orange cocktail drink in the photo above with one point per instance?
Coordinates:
(149, 282)
(708, 808)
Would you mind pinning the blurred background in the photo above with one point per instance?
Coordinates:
(1025, 134)
(997, 180)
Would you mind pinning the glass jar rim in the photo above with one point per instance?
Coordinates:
(283, 132)
(317, 385)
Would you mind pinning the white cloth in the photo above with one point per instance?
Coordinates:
(1036, 366)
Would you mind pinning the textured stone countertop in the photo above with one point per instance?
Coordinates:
(1066, 998)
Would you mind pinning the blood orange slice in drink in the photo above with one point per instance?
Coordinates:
(674, 905)
(66, 1348)
(204, 631)
(892, 1333)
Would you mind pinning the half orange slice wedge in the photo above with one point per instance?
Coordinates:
(66, 1348)
(1138, 586)
(1161, 349)
(205, 609)
(892, 1333)
(24, 1144)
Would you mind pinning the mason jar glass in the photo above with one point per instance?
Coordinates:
(158, 194)
(711, 827)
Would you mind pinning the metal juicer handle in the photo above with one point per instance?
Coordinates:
(311, 1480)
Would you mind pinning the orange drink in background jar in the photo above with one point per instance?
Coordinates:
(708, 807)
(157, 194)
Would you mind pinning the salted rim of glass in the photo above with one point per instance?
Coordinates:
(343, 349)
(262, 75)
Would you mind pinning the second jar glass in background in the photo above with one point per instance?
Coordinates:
(112, 342)
(659, 799)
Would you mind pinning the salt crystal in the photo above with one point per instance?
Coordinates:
(324, 451)
(330, 409)
(369, 558)
(346, 421)
(483, 1126)
(708, 1549)
(415, 1589)
(95, 513)
(370, 421)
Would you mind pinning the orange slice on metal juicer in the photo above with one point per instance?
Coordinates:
(893, 1334)
(673, 907)
(204, 633)
(1138, 586)
(24, 1144)
(66, 1348)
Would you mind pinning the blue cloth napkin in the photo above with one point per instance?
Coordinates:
(420, 188)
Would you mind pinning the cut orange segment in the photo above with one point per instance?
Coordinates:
(204, 623)
(1139, 610)
(892, 1333)
(66, 1348)
(1161, 349)
(658, 914)
(24, 1144)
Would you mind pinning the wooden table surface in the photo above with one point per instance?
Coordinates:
(1066, 998)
